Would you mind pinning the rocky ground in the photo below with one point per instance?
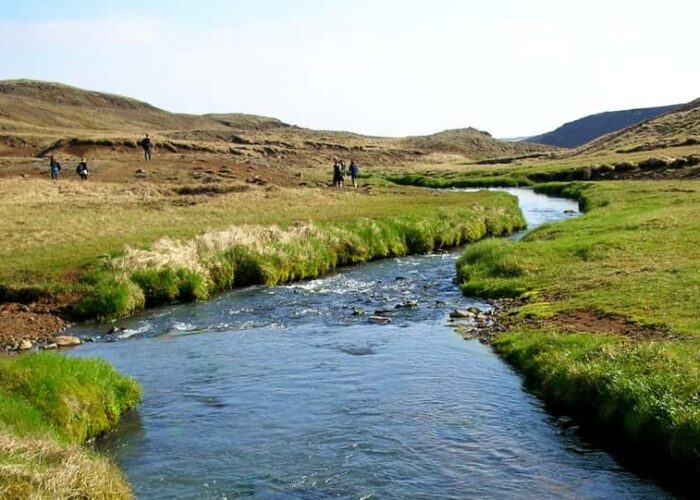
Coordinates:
(32, 327)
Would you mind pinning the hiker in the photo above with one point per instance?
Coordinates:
(54, 167)
(337, 175)
(147, 145)
(82, 170)
(341, 179)
(354, 172)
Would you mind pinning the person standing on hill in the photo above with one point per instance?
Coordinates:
(354, 172)
(54, 168)
(147, 145)
(82, 170)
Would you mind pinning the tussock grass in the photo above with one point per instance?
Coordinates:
(187, 270)
(634, 254)
(43, 469)
(49, 405)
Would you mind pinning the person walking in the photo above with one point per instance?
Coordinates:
(54, 168)
(337, 175)
(354, 172)
(147, 145)
(82, 170)
(341, 179)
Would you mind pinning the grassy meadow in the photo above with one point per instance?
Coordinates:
(120, 247)
(610, 327)
(599, 166)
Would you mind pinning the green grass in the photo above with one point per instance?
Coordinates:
(194, 269)
(71, 400)
(476, 179)
(49, 405)
(634, 254)
(646, 392)
(531, 172)
(55, 233)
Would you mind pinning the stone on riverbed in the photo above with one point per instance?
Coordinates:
(67, 341)
(24, 345)
(380, 319)
(407, 304)
(462, 313)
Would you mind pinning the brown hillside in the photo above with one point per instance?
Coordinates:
(41, 118)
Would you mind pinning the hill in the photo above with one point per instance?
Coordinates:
(680, 127)
(38, 118)
(467, 141)
(586, 129)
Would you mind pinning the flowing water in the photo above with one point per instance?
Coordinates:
(293, 392)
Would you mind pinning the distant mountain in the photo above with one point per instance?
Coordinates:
(583, 130)
(680, 127)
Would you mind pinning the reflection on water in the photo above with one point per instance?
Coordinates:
(293, 392)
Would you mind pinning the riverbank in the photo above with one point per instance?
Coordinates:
(49, 406)
(608, 328)
(107, 251)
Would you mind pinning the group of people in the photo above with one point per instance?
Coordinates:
(339, 173)
(82, 168)
(55, 169)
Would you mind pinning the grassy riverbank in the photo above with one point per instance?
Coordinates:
(106, 250)
(186, 270)
(610, 328)
(49, 405)
(677, 162)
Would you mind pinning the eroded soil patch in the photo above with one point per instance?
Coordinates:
(586, 321)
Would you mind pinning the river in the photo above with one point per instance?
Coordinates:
(292, 392)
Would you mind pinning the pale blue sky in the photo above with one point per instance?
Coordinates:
(384, 67)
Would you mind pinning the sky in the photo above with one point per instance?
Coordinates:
(382, 67)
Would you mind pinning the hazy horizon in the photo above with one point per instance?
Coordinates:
(380, 68)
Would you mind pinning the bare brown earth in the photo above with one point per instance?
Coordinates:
(35, 323)
(584, 321)
(489, 324)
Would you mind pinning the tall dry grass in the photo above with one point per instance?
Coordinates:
(43, 469)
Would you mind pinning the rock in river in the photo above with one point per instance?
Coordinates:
(380, 319)
(461, 313)
(407, 304)
(66, 341)
(24, 345)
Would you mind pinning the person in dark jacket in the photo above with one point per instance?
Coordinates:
(337, 173)
(82, 170)
(147, 145)
(54, 168)
(354, 172)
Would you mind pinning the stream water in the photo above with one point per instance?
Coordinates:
(287, 393)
